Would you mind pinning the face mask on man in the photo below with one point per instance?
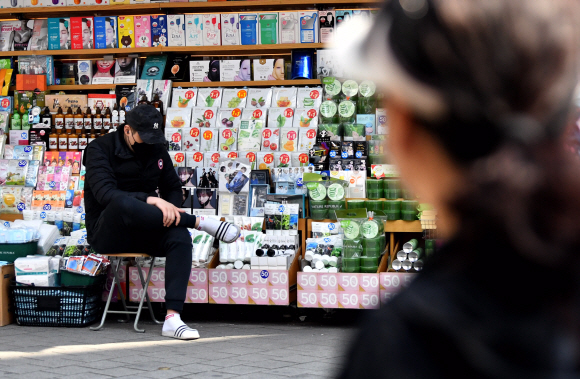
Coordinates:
(141, 149)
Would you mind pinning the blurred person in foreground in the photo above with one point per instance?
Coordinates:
(479, 94)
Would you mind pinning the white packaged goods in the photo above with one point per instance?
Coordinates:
(234, 98)
(259, 98)
(309, 97)
(178, 118)
(193, 30)
(183, 97)
(204, 117)
(230, 29)
(211, 30)
(209, 97)
(280, 117)
(289, 30)
(284, 97)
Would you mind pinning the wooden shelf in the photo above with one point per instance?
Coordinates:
(263, 83)
(191, 50)
(181, 7)
(400, 226)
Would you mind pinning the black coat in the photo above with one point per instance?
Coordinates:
(113, 170)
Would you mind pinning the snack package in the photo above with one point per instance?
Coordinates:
(309, 97)
(234, 98)
(270, 139)
(259, 98)
(249, 139)
(284, 97)
(190, 139)
(289, 139)
(305, 118)
(228, 139)
(204, 117)
(229, 118)
(306, 138)
(209, 97)
(280, 117)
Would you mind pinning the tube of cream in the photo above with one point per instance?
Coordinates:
(232, 251)
(247, 223)
(257, 223)
(249, 241)
(196, 240)
(240, 248)
(238, 221)
(199, 246)
(224, 252)
(203, 256)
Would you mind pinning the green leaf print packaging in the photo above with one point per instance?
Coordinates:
(249, 139)
(209, 97)
(305, 118)
(309, 97)
(354, 132)
(256, 118)
(328, 112)
(347, 112)
(280, 117)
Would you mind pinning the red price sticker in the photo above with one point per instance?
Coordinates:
(179, 157)
(233, 154)
(242, 94)
(214, 94)
(5, 103)
(303, 158)
(288, 112)
(208, 115)
(311, 133)
(236, 112)
(257, 113)
(189, 95)
(227, 133)
(176, 137)
(267, 133)
(284, 158)
(291, 135)
(314, 94)
(352, 181)
(251, 157)
(311, 113)
(194, 132)
(215, 157)
(207, 135)
(198, 157)
(268, 158)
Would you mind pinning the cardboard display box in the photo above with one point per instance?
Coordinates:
(6, 309)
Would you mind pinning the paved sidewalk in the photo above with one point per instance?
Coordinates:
(227, 349)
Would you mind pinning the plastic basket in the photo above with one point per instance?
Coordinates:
(57, 306)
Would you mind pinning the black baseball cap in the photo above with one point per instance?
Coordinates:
(148, 122)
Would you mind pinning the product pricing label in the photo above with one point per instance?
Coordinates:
(238, 294)
(198, 277)
(279, 296)
(218, 276)
(348, 299)
(255, 279)
(237, 277)
(348, 282)
(307, 281)
(328, 282)
(258, 295)
(308, 299)
(218, 293)
(278, 278)
(369, 300)
(369, 282)
(328, 299)
(196, 295)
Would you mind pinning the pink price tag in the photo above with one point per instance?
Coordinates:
(157, 277)
(196, 295)
(278, 278)
(394, 281)
(328, 282)
(238, 294)
(307, 281)
(369, 282)
(156, 295)
(307, 298)
(278, 296)
(369, 300)
(328, 299)
(258, 295)
(256, 279)
(348, 299)
(198, 278)
(217, 276)
(237, 277)
(218, 293)
(385, 296)
(348, 282)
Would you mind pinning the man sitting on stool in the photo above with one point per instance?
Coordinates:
(124, 212)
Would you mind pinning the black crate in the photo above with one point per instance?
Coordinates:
(57, 306)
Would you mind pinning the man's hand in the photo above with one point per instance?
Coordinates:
(170, 212)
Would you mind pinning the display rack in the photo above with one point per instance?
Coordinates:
(178, 7)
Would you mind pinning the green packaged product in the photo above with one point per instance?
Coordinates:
(331, 131)
(352, 248)
(372, 228)
(347, 113)
(374, 205)
(329, 112)
(355, 204)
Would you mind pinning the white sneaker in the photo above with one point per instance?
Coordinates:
(183, 332)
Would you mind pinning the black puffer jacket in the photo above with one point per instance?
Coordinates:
(113, 170)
